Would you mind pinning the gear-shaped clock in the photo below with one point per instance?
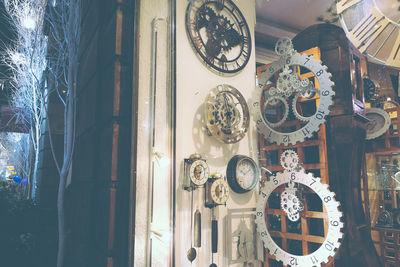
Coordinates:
(333, 217)
(280, 84)
(219, 33)
(227, 114)
(373, 26)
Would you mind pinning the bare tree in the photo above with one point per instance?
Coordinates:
(64, 20)
(32, 52)
(27, 60)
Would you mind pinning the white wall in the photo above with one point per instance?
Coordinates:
(193, 83)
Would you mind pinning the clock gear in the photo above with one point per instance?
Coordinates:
(291, 175)
(219, 34)
(280, 85)
(227, 114)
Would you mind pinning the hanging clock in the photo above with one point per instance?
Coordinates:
(379, 122)
(217, 191)
(280, 85)
(291, 175)
(219, 34)
(196, 171)
(242, 173)
(373, 27)
(227, 114)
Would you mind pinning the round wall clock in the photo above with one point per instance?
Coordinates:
(227, 114)
(242, 173)
(333, 235)
(196, 170)
(219, 34)
(379, 122)
(373, 27)
(280, 85)
(217, 191)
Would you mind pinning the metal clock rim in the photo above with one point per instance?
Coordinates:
(245, 123)
(323, 109)
(334, 215)
(203, 59)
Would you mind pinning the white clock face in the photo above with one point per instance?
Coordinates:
(199, 172)
(246, 174)
(219, 191)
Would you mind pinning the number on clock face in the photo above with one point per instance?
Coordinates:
(219, 191)
(246, 173)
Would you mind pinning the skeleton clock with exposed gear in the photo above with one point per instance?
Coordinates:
(219, 34)
(291, 179)
(280, 87)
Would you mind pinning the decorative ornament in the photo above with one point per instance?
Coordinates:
(379, 122)
(17, 179)
(24, 181)
(219, 34)
(227, 114)
(372, 28)
(334, 216)
(280, 85)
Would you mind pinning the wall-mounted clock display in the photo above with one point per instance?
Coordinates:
(281, 85)
(242, 173)
(217, 191)
(196, 171)
(379, 122)
(332, 214)
(227, 114)
(219, 34)
(373, 27)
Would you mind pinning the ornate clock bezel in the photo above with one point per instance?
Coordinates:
(218, 64)
(325, 93)
(331, 242)
(190, 165)
(368, 29)
(215, 128)
(232, 173)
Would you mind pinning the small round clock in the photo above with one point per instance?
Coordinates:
(217, 191)
(242, 173)
(219, 34)
(227, 114)
(197, 169)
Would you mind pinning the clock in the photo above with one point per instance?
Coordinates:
(379, 122)
(227, 114)
(196, 171)
(217, 191)
(333, 218)
(219, 34)
(279, 85)
(242, 174)
(373, 28)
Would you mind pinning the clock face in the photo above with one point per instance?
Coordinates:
(227, 114)
(373, 27)
(246, 174)
(219, 191)
(198, 172)
(219, 34)
(379, 122)
(242, 173)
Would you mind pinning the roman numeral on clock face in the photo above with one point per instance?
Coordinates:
(345, 4)
(368, 29)
(394, 58)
